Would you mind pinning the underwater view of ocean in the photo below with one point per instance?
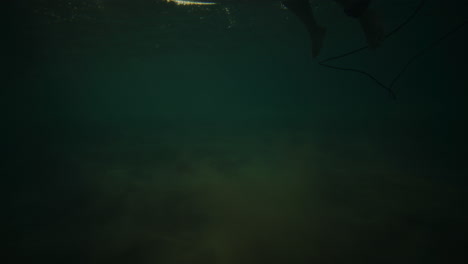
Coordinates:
(204, 132)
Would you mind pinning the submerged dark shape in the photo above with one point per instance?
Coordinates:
(358, 9)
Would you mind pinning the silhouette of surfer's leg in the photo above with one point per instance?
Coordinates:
(302, 10)
(373, 28)
(368, 19)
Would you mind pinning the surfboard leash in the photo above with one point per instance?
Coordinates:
(389, 88)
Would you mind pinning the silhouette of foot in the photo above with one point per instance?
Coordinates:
(317, 35)
(373, 29)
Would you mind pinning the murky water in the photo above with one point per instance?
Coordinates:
(145, 132)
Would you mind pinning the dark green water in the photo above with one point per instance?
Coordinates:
(144, 132)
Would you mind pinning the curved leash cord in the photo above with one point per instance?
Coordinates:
(410, 61)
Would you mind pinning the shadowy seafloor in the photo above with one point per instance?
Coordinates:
(145, 132)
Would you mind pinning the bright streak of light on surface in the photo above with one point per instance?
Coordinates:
(189, 2)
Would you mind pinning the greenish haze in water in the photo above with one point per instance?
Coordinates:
(145, 132)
